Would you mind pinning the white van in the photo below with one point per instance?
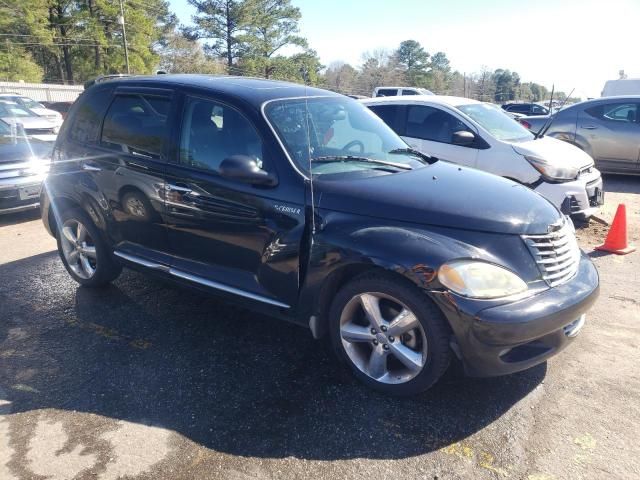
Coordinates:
(481, 135)
(626, 86)
(399, 91)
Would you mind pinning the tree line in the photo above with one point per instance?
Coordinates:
(71, 41)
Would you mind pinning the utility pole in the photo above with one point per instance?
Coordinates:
(124, 36)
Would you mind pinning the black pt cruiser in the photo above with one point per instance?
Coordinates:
(303, 204)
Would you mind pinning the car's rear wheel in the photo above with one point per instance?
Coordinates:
(394, 338)
(83, 252)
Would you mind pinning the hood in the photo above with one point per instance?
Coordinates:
(23, 151)
(30, 122)
(444, 195)
(51, 115)
(555, 152)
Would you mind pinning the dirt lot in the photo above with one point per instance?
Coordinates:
(143, 380)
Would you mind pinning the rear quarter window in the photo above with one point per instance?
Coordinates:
(87, 118)
(389, 115)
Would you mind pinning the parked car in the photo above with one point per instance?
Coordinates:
(23, 166)
(620, 87)
(33, 106)
(481, 135)
(61, 107)
(32, 125)
(608, 129)
(399, 91)
(526, 108)
(301, 203)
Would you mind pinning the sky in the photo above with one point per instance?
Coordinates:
(569, 43)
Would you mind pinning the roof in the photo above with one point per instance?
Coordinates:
(255, 91)
(413, 99)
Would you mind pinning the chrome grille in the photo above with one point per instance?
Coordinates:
(557, 254)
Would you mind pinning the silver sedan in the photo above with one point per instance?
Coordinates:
(608, 129)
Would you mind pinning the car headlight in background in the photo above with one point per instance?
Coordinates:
(56, 129)
(477, 279)
(552, 172)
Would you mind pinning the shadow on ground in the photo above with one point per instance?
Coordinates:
(230, 380)
(621, 183)
(20, 217)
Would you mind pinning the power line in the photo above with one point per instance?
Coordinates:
(58, 44)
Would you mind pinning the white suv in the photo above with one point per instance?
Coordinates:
(481, 135)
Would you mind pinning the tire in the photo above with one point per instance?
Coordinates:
(402, 364)
(83, 252)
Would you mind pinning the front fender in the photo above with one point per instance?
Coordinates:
(355, 244)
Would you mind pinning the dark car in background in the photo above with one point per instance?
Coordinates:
(606, 128)
(303, 204)
(526, 108)
(24, 164)
(61, 107)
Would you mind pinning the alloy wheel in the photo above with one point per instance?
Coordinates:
(383, 338)
(79, 249)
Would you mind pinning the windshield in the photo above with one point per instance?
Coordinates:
(339, 129)
(28, 103)
(496, 122)
(13, 110)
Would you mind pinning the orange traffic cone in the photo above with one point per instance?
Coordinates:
(616, 241)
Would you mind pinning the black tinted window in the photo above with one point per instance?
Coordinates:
(429, 123)
(409, 92)
(615, 112)
(135, 124)
(387, 92)
(88, 116)
(518, 108)
(388, 113)
(212, 132)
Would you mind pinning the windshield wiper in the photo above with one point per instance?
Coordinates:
(412, 151)
(355, 158)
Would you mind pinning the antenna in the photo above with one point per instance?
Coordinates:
(537, 135)
(305, 76)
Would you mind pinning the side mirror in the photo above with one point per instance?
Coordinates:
(245, 169)
(463, 138)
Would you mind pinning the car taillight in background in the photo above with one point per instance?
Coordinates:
(525, 124)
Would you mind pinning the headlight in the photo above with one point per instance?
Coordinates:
(552, 172)
(56, 129)
(476, 279)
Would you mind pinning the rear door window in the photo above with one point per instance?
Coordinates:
(430, 123)
(409, 92)
(136, 125)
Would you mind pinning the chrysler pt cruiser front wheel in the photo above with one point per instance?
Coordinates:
(394, 338)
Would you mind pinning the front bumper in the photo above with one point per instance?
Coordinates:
(580, 198)
(502, 339)
(20, 193)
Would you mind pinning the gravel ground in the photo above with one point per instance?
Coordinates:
(143, 380)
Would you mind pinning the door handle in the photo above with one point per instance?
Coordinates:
(170, 187)
(589, 127)
(90, 168)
